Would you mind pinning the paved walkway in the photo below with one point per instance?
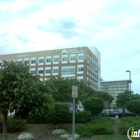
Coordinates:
(116, 126)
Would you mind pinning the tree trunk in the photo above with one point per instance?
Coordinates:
(5, 125)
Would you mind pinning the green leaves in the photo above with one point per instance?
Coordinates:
(134, 106)
(94, 105)
(20, 90)
(123, 98)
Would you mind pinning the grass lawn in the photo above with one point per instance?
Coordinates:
(1, 137)
(110, 137)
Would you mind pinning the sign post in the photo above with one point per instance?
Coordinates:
(74, 95)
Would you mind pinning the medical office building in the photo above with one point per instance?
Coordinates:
(81, 63)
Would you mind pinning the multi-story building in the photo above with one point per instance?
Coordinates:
(80, 63)
(114, 88)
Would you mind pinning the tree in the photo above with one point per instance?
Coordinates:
(134, 106)
(19, 91)
(122, 99)
(61, 88)
(104, 96)
(94, 105)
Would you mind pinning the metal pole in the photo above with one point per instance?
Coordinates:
(129, 79)
(73, 124)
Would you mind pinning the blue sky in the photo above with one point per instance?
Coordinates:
(113, 26)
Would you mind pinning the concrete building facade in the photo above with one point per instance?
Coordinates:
(79, 62)
(114, 88)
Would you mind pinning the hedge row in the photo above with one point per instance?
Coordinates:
(13, 124)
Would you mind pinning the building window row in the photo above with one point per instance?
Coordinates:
(54, 59)
(92, 62)
(65, 70)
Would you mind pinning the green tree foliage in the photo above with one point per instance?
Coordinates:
(94, 105)
(61, 89)
(123, 98)
(104, 95)
(20, 91)
(58, 113)
(133, 106)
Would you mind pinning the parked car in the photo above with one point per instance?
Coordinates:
(70, 105)
(78, 107)
(105, 112)
(118, 112)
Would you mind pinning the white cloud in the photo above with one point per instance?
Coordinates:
(15, 6)
(110, 25)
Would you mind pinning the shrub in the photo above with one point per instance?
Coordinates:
(83, 116)
(133, 106)
(94, 105)
(64, 136)
(76, 136)
(25, 136)
(80, 117)
(37, 119)
(128, 122)
(15, 125)
(100, 126)
(58, 132)
(58, 113)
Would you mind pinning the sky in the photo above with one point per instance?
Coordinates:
(112, 26)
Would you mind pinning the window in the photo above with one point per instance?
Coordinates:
(68, 70)
(65, 58)
(48, 71)
(80, 68)
(32, 71)
(56, 59)
(33, 61)
(80, 78)
(72, 58)
(80, 57)
(26, 61)
(55, 70)
(48, 60)
(41, 60)
(40, 71)
(19, 61)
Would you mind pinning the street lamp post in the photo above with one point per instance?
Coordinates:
(129, 78)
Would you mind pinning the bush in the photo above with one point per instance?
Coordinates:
(94, 105)
(100, 126)
(128, 122)
(80, 117)
(25, 136)
(83, 116)
(133, 106)
(58, 113)
(15, 125)
(37, 119)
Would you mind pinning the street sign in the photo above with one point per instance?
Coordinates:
(74, 91)
(74, 95)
